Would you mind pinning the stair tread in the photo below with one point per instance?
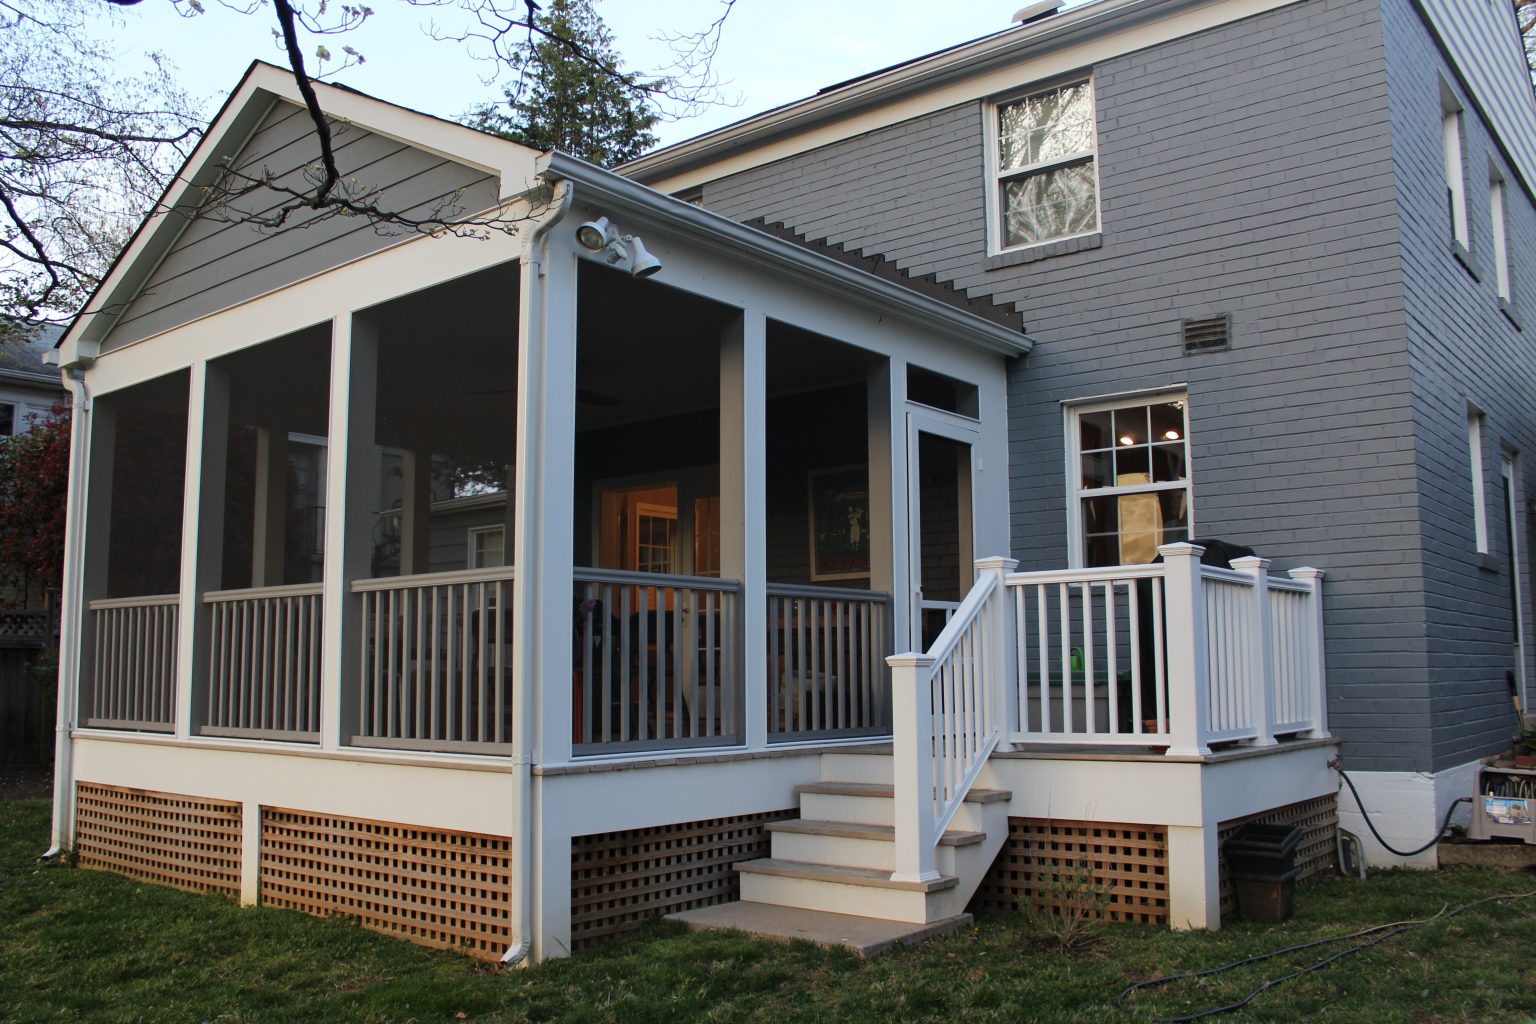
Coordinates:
(855, 830)
(872, 877)
(878, 789)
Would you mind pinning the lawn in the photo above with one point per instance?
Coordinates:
(87, 946)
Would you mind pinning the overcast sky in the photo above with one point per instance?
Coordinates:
(772, 52)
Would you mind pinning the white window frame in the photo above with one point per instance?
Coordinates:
(474, 533)
(1498, 218)
(1455, 166)
(1475, 429)
(997, 175)
(1073, 411)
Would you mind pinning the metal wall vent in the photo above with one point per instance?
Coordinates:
(1213, 334)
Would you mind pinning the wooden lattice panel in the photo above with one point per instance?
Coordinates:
(1118, 871)
(435, 887)
(1318, 818)
(620, 879)
(186, 842)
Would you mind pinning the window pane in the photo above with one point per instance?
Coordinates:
(1102, 549)
(1167, 462)
(1138, 548)
(1167, 421)
(7, 419)
(1173, 508)
(1097, 470)
(1131, 467)
(1130, 426)
(1050, 204)
(1100, 515)
(1094, 430)
(1046, 127)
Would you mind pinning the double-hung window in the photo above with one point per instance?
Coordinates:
(1129, 479)
(1047, 182)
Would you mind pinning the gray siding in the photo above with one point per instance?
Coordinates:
(1246, 170)
(1464, 350)
(215, 264)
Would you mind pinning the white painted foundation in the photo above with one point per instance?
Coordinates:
(1406, 808)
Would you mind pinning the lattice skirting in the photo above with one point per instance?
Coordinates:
(186, 842)
(1113, 871)
(435, 887)
(1319, 818)
(620, 879)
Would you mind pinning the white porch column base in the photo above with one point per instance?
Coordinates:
(551, 878)
(1194, 877)
(250, 853)
(1407, 809)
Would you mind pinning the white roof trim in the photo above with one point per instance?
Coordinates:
(620, 193)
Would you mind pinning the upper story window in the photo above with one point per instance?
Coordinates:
(1455, 170)
(1500, 233)
(1047, 184)
(1475, 421)
(1129, 472)
(7, 419)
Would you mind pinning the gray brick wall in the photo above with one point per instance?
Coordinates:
(1463, 350)
(1246, 170)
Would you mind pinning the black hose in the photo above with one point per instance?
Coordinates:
(1372, 826)
(1379, 933)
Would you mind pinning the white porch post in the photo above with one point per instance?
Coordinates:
(885, 544)
(97, 536)
(1194, 876)
(743, 507)
(912, 750)
(899, 538)
(1188, 668)
(543, 588)
(270, 521)
(1261, 643)
(1002, 654)
(1317, 671)
(202, 528)
(351, 482)
(415, 517)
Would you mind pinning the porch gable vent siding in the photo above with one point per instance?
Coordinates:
(1212, 334)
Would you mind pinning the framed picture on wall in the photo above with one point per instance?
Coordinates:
(839, 523)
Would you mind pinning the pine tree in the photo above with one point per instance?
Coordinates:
(572, 95)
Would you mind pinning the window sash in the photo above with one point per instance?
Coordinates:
(1003, 176)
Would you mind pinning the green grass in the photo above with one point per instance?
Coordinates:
(88, 946)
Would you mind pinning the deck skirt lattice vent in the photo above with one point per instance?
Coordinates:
(621, 879)
(185, 842)
(434, 887)
(1212, 334)
(1113, 871)
(1318, 819)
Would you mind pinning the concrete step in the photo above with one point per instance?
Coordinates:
(851, 844)
(863, 935)
(857, 765)
(863, 892)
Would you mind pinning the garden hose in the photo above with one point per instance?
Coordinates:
(1372, 936)
(1372, 826)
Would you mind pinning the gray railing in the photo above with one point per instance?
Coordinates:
(656, 661)
(827, 674)
(264, 663)
(436, 661)
(133, 685)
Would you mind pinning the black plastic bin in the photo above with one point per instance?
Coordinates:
(1261, 863)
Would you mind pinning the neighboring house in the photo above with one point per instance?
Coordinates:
(706, 501)
(28, 389)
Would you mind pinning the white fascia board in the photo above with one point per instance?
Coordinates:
(513, 165)
(616, 193)
(1064, 43)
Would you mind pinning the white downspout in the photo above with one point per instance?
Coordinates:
(522, 730)
(70, 594)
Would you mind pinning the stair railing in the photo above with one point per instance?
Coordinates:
(949, 706)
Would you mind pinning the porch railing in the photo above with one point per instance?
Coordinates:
(656, 661)
(436, 661)
(948, 711)
(827, 675)
(264, 663)
(133, 685)
(1176, 654)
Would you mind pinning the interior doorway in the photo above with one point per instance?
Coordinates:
(940, 519)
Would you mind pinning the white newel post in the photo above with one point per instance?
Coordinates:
(1188, 666)
(912, 747)
(1261, 646)
(1001, 664)
(1317, 680)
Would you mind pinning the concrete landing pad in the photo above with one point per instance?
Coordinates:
(865, 936)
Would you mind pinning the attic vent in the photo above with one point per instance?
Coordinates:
(1035, 11)
(1213, 334)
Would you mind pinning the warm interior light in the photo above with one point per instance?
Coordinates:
(1127, 439)
(1172, 435)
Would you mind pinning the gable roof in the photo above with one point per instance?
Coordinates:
(513, 166)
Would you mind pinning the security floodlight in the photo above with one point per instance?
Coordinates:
(641, 262)
(595, 235)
